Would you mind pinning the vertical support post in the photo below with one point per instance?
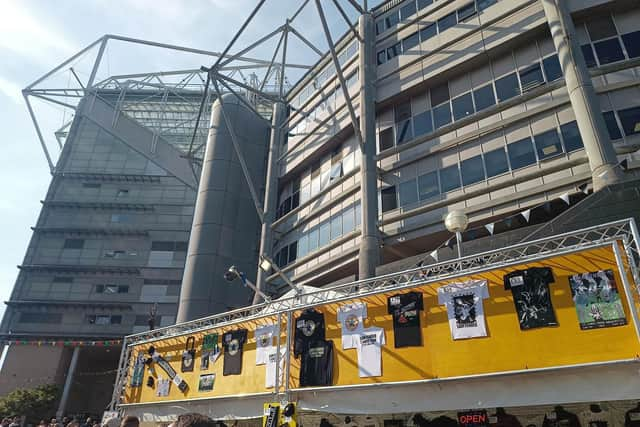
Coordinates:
(369, 256)
(287, 363)
(68, 382)
(598, 146)
(278, 134)
(459, 243)
(123, 365)
(627, 287)
(278, 355)
(96, 65)
(285, 33)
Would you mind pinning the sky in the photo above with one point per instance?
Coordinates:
(37, 35)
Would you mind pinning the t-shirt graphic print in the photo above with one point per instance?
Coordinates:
(232, 342)
(351, 318)
(405, 309)
(597, 300)
(531, 296)
(369, 345)
(264, 342)
(309, 326)
(464, 308)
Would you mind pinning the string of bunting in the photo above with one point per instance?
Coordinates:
(508, 221)
(65, 343)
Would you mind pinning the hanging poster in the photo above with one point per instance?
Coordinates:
(206, 382)
(138, 371)
(210, 351)
(189, 355)
(597, 300)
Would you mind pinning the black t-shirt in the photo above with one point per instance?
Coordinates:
(232, 342)
(531, 296)
(317, 364)
(632, 417)
(443, 421)
(405, 309)
(562, 419)
(504, 420)
(309, 327)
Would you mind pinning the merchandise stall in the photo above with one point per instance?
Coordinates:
(545, 333)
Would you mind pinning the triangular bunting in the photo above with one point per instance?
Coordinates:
(450, 243)
(526, 214)
(565, 198)
(489, 228)
(434, 255)
(584, 188)
(624, 164)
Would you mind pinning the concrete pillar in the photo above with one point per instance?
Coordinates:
(68, 383)
(226, 226)
(278, 135)
(598, 146)
(369, 256)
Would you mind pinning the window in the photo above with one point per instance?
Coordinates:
(427, 32)
(412, 41)
(61, 279)
(40, 317)
(442, 115)
(462, 106)
(466, 11)
(472, 170)
(336, 172)
(380, 26)
(385, 139)
(552, 68)
(313, 239)
(483, 4)
(440, 94)
(612, 125)
(521, 153)
(325, 236)
(91, 185)
(112, 289)
(282, 257)
(142, 320)
(422, 124)
(447, 22)
(630, 119)
(424, 3)
(391, 20)
(120, 218)
(169, 246)
(601, 28)
(571, 136)
(352, 79)
(388, 196)
(484, 97)
(336, 226)
(348, 221)
(382, 57)
(293, 252)
(548, 144)
(507, 87)
(303, 245)
(405, 133)
(449, 178)
(609, 51)
(531, 77)
(122, 192)
(99, 319)
(358, 214)
(496, 162)
(589, 58)
(632, 43)
(428, 185)
(114, 254)
(408, 192)
(408, 10)
(402, 111)
(73, 244)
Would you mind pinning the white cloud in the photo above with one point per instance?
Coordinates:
(11, 90)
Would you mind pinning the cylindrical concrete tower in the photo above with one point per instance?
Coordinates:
(226, 227)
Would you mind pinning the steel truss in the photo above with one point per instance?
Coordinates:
(622, 235)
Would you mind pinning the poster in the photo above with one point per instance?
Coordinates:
(206, 382)
(597, 300)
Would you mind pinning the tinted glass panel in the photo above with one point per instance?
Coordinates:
(496, 162)
(428, 185)
(427, 32)
(408, 192)
(358, 214)
(630, 119)
(612, 125)
(405, 133)
(385, 139)
(483, 4)
(632, 43)
(601, 28)
(484, 97)
(411, 41)
(531, 77)
(548, 144)
(392, 19)
(382, 57)
(472, 170)
(336, 226)
(609, 51)
(408, 10)
(442, 115)
(380, 26)
(466, 11)
(462, 106)
(422, 123)
(402, 111)
(293, 252)
(440, 94)
(313, 239)
(394, 51)
(424, 3)
(571, 136)
(587, 52)
(449, 178)
(77, 244)
(507, 87)
(447, 22)
(324, 234)
(521, 153)
(348, 221)
(552, 68)
(389, 201)
(303, 245)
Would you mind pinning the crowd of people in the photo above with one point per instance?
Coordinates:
(185, 420)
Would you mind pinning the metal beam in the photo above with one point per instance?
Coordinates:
(305, 41)
(358, 7)
(347, 20)
(273, 58)
(248, 88)
(202, 103)
(97, 62)
(284, 59)
(241, 99)
(297, 12)
(252, 45)
(35, 124)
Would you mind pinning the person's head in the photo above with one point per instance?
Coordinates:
(16, 419)
(73, 423)
(54, 421)
(193, 420)
(5, 422)
(130, 421)
(65, 420)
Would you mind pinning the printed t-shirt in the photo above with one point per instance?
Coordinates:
(309, 327)
(316, 367)
(351, 318)
(464, 308)
(597, 300)
(531, 296)
(405, 309)
(369, 344)
(596, 419)
(264, 342)
(270, 375)
(232, 342)
(632, 417)
(562, 419)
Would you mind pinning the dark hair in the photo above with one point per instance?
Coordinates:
(194, 420)
(130, 421)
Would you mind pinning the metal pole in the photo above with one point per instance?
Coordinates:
(285, 31)
(459, 242)
(599, 149)
(631, 302)
(270, 192)
(40, 138)
(287, 366)
(277, 384)
(68, 382)
(96, 64)
(369, 256)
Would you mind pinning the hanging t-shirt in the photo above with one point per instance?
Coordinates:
(597, 300)
(561, 419)
(464, 308)
(369, 344)
(632, 417)
(270, 375)
(309, 327)
(596, 419)
(316, 367)
(405, 309)
(232, 342)
(264, 342)
(351, 318)
(531, 296)
(504, 420)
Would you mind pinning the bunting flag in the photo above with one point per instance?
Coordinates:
(526, 214)
(450, 243)
(434, 255)
(584, 188)
(489, 228)
(65, 343)
(624, 164)
(565, 198)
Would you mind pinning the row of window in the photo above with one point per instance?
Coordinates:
(122, 192)
(155, 246)
(607, 45)
(625, 121)
(104, 319)
(517, 155)
(448, 21)
(320, 235)
(447, 110)
(92, 319)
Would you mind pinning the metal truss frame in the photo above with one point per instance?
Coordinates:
(622, 235)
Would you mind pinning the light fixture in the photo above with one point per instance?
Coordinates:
(266, 264)
(233, 273)
(456, 222)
